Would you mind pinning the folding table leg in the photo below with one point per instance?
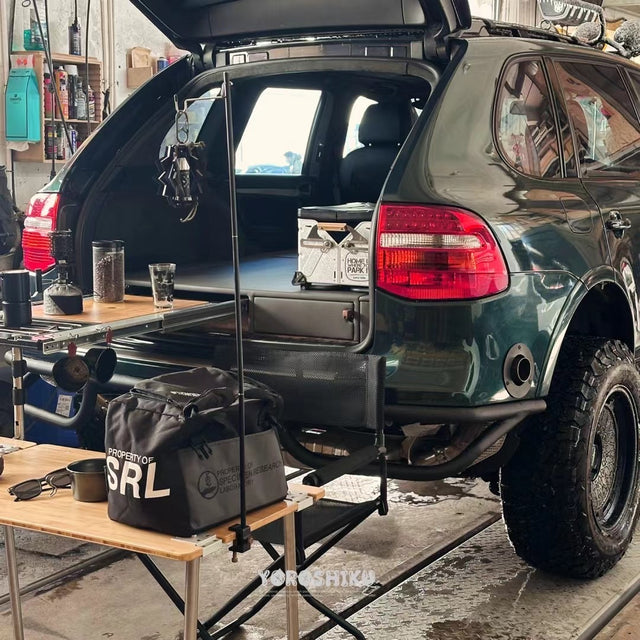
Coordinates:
(291, 591)
(191, 594)
(14, 586)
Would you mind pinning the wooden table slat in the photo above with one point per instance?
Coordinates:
(101, 312)
(14, 442)
(62, 515)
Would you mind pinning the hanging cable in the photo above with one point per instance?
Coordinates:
(12, 21)
(86, 71)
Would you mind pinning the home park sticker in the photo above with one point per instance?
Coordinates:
(208, 485)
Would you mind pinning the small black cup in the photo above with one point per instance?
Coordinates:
(15, 285)
(16, 314)
(16, 298)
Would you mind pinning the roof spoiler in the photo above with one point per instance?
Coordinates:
(193, 23)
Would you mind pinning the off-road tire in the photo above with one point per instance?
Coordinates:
(570, 496)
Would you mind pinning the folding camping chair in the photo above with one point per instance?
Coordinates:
(299, 375)
(326, 522)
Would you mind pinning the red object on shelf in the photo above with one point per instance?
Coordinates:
(48, 96)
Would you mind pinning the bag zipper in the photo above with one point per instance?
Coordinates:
(150, 395)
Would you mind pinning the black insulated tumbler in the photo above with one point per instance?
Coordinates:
(16, 298)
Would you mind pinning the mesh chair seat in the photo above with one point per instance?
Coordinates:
(317, 522)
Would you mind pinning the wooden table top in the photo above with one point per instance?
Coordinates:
(62, 515)
(101, 312)
(14, 442)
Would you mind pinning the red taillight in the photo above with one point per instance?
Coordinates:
(42, 214)
(437, 253)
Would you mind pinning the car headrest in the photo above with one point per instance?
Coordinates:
(385, 123)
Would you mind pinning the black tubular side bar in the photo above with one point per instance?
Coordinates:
(405, 472)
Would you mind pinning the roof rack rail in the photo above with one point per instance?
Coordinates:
(483, 27)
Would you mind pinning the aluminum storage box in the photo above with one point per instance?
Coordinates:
(333, 245)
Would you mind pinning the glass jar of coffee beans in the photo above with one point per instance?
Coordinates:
(108, 270)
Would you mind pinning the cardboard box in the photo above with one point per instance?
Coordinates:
(138, 76)
(139, 66)
(139, 57)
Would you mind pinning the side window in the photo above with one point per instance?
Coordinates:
(276, 137)
(526, 129)
(606, 128)
(352, 141)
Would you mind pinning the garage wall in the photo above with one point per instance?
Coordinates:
(483, 8)
(131, 29)
(520, 12)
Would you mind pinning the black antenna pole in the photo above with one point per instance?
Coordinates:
(243, 532)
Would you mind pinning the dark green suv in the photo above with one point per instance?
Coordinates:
(504, 245)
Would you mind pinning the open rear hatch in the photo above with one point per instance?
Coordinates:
(193, 23)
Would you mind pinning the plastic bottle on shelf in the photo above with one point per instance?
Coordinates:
(37, 42)
(75, 37)
(48, 96)
(81, 100)
(91, 103)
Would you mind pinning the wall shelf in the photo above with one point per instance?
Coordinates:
(37, 152)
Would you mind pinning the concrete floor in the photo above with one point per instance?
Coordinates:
(121, 601)
(625, 626)
(482, 591)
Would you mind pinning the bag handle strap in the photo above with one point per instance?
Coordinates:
(251, 393)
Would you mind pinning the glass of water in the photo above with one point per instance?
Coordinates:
(162, 277)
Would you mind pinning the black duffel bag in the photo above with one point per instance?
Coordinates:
(173, 457)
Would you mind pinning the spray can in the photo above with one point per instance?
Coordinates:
(72, 90)
(73, 134)
(51, 147)
(61, 82)
(48, 96)
(60, 148)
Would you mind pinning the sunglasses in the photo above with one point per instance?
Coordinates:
(58, 479)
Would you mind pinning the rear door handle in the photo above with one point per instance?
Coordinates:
(616, 222)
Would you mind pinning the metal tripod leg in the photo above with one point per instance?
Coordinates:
(17, 373)
(14, 586)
